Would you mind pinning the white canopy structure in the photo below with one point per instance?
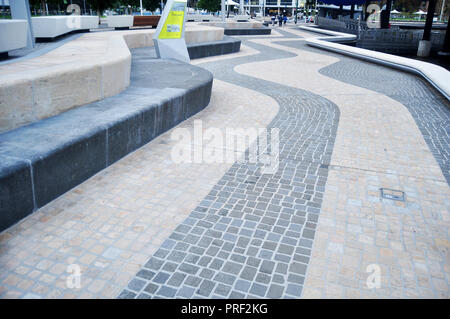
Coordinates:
(420, 12)
(395, 11)
(231, 3)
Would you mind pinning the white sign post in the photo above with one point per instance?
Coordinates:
(169, 36)
(20, 9)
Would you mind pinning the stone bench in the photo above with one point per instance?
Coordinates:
(242, 18)
(120, 21)
(332, 41)
(146, 21)
(200, 18)
(50, 27)
(13, 35)
(43, 160)
(241, 28)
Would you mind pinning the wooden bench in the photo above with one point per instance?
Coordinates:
(145, 21)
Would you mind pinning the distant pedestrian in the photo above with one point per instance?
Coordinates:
(273, 20)
(285, 19)
(280, 20)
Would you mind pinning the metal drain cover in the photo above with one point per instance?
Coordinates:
(392, 194)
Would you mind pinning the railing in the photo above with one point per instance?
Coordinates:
(392, 40)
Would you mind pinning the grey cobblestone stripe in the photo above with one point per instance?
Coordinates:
(251, 236)
(430, 110)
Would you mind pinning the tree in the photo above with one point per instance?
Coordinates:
(101, 5)
(150, 5)
(209, 5)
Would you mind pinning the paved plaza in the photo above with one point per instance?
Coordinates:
(147, 227)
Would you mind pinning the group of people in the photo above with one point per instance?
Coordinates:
(281, 19)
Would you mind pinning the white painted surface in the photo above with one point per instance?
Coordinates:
(53, 26)
(13, 34)
(120, 21)
(436, 75)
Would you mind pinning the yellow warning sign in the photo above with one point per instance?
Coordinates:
(173, 26)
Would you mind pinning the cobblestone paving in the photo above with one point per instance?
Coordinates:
(378, 144)
(252, 235)
(429, 109)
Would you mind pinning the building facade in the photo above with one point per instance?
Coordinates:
(273, 6)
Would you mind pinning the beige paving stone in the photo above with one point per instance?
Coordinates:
(382, 130)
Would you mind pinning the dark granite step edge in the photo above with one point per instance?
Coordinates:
(43, 160)
(206, 49)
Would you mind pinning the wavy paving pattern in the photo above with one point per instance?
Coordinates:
(430, 110)
(252, 235)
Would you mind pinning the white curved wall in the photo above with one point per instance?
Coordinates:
(13, 34)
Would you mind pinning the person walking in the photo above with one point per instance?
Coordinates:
(280, 20)
(285, 19)
(273, 20)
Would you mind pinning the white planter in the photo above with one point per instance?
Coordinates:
(54, 26)
(13, 34)
(88, 22)
(119, 21)
(242, 17)
(200, 17)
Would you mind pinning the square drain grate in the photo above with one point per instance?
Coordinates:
(392, 194)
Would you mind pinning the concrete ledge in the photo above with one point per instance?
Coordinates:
(434, 74)
(260, 31)
(231, 24)
(146, 21)
(225, 46)
(41, 161)
(13, 34)
(243, 18)
(201, 17)
(90, 68)
(120, 21)
(240, 28)
(49, 27)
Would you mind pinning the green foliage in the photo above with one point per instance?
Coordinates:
(101, 5)
(41, 3)
(407, 5)
(150, 5)
(209, 5)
